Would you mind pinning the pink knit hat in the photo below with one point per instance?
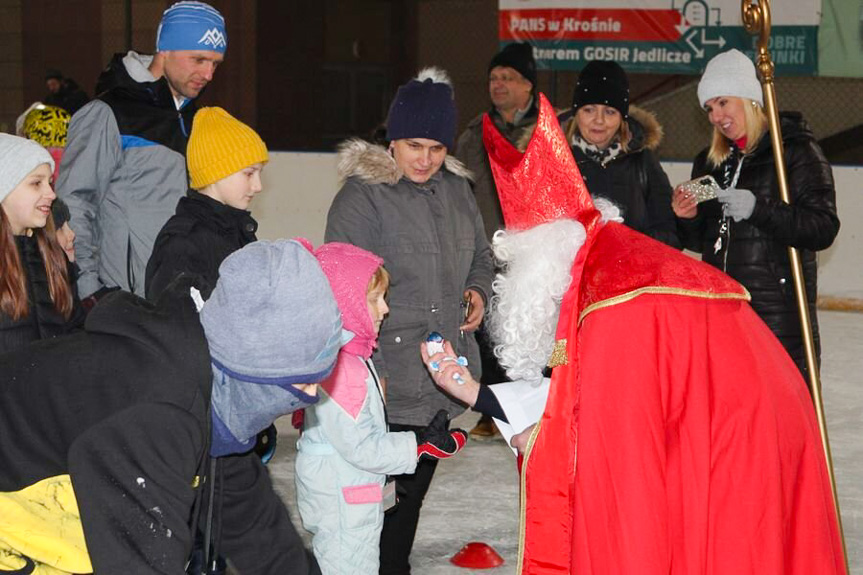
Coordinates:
(349, 270)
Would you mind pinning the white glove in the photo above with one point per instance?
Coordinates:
(736, 204)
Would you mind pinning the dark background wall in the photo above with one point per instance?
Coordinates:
(307, 74)
(327, 70)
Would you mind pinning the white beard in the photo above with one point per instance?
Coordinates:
(526, 305)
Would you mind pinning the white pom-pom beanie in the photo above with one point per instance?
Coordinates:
(730, 73)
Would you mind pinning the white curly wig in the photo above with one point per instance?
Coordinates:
(526, 305)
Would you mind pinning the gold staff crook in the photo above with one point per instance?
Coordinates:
(756, 20)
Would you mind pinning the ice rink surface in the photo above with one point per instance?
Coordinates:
(474, 497)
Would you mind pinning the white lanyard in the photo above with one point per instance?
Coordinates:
(725, 227)
(737, 172)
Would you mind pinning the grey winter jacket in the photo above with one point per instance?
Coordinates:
(433, 243)
(122, 173)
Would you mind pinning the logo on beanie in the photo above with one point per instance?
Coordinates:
(214, 38)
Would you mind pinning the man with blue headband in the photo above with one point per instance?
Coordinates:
(124, 168)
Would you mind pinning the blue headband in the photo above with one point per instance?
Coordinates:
(191, 25)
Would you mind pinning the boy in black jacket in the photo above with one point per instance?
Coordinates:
(225, 158)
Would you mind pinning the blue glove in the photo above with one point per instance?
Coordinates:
(736, 204)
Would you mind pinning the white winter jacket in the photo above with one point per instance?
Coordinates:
(345, 454)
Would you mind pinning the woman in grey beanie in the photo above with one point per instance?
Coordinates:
(37, 298)
(747, 229)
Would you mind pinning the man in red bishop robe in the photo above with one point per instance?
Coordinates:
(678, 436)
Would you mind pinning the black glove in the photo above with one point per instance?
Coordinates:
(435, 441)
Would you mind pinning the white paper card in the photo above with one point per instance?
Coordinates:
(523, 404)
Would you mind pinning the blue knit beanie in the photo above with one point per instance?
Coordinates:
(190, 25)
(272, 318)
(424, 108)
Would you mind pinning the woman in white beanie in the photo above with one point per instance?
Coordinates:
(747, 230)
(37, 298)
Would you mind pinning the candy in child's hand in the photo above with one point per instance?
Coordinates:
(434, 343)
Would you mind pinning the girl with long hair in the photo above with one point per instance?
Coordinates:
(37, 297)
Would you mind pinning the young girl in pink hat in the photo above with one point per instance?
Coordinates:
(346, 451)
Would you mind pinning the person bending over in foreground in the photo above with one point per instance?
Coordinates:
(119, 442)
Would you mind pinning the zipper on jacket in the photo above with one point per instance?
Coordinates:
(130, 274)
(182, 123)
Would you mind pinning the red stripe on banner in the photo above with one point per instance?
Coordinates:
(590, 24)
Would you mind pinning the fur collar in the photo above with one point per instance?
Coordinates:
(651, 127)
(373, 164)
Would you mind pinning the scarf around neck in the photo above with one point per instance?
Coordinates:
(602, 157)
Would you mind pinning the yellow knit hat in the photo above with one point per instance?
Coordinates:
(219, 146)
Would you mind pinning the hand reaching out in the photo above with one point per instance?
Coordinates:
(443, 368)
(435, 441)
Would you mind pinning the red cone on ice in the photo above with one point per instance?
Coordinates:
(476, 555)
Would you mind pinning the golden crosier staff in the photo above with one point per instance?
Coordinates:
(756, 20)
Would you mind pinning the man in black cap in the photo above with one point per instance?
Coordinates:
(511, 87)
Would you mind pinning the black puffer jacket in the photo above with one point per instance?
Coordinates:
(43, 321)
(756, 254)
(196, 240)
(634, 180)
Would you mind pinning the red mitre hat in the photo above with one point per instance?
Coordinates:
(543, 183)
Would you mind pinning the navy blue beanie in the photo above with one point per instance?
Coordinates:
(424, 108)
